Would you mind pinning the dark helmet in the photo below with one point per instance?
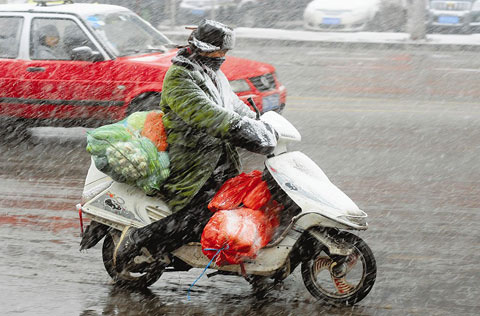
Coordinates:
(211, 36)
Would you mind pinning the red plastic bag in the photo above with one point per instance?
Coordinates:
(272, 211)
(240, 233)
(258, 196)
(236, 235)
(234, 190)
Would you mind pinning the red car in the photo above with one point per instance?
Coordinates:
(61, 64)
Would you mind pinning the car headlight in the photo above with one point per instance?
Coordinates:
(476, 6)
(240, 85)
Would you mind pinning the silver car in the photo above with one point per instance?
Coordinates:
(453, 15)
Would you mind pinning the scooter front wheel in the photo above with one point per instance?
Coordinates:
(345, 286)
(126, 279)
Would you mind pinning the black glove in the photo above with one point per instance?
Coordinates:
(255, 136)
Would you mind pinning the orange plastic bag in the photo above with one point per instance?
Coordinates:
(240, 233)
(154, 130)
(234, 190)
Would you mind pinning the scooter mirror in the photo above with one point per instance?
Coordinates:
(254, 106)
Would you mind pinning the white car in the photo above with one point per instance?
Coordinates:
(340, 15)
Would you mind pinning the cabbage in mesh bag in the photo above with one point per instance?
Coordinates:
(121, 152)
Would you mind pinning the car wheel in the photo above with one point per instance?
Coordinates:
(467, 30)
(145, 102)
(13, 131)
(375, 24)
(390, 18)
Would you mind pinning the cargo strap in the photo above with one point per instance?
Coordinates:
(207, 266)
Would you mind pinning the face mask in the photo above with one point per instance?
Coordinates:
(213, 63)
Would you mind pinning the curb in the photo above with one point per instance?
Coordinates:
(399, 42)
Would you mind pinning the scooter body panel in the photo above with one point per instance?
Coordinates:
(308, 186)
(118, 204)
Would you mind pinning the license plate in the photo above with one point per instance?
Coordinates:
(448, 19)
(271, 102)
(331, 21)
(198, 12)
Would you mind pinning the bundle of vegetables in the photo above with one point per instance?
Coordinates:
(132, 150)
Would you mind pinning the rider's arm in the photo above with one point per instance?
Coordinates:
(238, 105)
(183, 93)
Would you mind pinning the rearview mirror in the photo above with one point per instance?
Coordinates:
(85, 53)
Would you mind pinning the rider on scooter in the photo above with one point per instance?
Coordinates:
(204, 120)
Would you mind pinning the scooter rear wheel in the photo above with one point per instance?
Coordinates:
(126, 279)
(352, 285)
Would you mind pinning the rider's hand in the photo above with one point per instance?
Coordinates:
(272, 130)
(255, 136)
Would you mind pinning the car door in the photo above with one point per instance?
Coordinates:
(56, 85)
(11, 27)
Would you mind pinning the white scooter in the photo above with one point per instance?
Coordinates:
(337, 267)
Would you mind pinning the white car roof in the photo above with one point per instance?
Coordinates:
(82, 9)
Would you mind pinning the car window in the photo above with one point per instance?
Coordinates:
(55, 39)
(10, 32)
(126, 34)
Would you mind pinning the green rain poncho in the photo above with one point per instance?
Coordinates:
(200, 111)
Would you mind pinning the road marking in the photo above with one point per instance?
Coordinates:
(347, 99)
(372, 67)
(351, 110)
(294, 109)
(410, 257)
(346, 58)
(458, 69)
(443, 56)
(329, 53)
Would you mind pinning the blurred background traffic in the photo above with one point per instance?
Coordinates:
(431, 16)
(396, 127)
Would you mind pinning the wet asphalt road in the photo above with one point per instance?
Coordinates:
(398, 132)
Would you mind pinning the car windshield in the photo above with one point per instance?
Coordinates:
(127, 34)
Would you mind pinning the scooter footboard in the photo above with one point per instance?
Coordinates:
(266, 263)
